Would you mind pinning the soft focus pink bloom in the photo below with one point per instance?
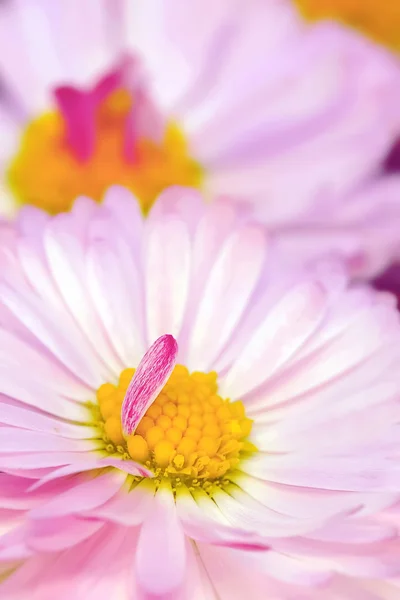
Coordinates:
(291, 118)
(310, 514)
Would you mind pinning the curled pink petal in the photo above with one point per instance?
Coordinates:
(150, 377)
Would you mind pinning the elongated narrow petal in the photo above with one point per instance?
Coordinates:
(150, 377)
(160, 559)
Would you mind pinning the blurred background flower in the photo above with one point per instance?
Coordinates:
(378, 20)
(294, 120)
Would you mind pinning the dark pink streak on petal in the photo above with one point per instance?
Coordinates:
(78, 110)
(150, 377)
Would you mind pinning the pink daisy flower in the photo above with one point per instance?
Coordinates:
(179, 419)
(241, 99)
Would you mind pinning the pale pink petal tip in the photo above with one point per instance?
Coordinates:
(150, 377)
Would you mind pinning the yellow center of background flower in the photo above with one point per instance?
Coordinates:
(189, 435)
(380, 19)
(46, 173)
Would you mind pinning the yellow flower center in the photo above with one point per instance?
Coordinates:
(47, 174)
(189, 435)
(380, 20)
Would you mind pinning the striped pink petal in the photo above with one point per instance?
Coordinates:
(150, 377)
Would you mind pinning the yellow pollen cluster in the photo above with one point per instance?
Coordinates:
(189, 433)
(46, 173)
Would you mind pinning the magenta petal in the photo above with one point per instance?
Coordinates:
(78, 110)
(150, 377)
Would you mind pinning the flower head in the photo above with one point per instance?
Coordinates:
(250, 102)
(266, 458)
